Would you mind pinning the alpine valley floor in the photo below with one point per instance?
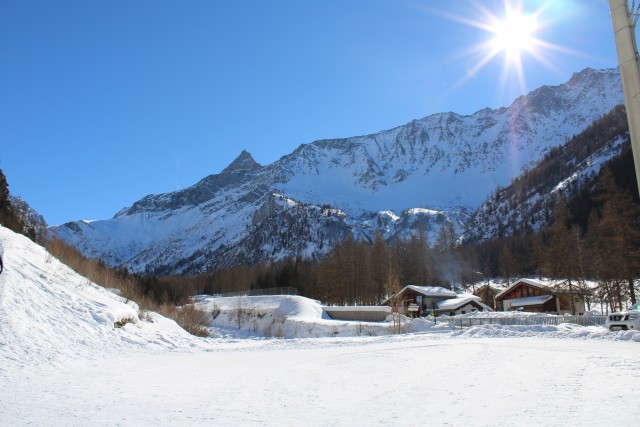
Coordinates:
(408, 380)
(63, 363)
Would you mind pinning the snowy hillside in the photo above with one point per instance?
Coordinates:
(49, 313)
(431, 171)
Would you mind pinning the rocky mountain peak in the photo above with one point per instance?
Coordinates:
(588, 75)
(243, 163)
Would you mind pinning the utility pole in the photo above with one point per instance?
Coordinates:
(624, 28)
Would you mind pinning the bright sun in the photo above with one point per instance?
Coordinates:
(514, 34)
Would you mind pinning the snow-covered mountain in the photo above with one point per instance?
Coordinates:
(528, 203)
(427, 172)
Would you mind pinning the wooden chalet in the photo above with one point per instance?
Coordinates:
(425, 297)
(435, 299)
(541, 296)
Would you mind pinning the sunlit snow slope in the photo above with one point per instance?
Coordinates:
(49, 313)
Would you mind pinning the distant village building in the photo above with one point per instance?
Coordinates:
(542, 296)
(462, 304)
(435, 299)
(487, 294)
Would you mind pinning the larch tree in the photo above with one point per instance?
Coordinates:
(618, 233)
(561, 258)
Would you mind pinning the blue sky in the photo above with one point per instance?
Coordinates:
(102, 103)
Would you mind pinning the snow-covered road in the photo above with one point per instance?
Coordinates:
(413, 380)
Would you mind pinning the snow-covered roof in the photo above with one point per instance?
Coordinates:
(546, 285)
(427, 291)
(530, 301)
(432, 291)
(468, 295)
(455, 303)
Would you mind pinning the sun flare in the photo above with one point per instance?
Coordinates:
(514, 34)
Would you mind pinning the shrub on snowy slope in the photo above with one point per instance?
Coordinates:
(150, 294)
(192, 320)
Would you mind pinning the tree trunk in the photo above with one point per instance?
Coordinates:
(632, 291)
(618, 294)
(571, 303)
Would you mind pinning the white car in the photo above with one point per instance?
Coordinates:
(625, 320)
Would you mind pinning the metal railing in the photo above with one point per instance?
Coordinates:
(260, 292)
(524, 320)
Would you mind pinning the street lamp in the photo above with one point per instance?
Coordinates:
(624, 28)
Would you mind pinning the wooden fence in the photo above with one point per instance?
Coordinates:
(524, 320)
(260, 292)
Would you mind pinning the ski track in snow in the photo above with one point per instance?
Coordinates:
(64, 364)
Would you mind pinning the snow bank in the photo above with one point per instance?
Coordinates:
(563, 330)
(498, 314)
(49, 313)
(275, 316)
(293, 317)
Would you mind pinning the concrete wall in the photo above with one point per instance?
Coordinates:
(363, 314)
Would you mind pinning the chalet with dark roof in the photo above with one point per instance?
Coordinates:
(542, 296)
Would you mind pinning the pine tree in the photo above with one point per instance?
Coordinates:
(8, 217)
(5, 205)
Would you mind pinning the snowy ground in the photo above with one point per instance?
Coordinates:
(63, 363)
(413, 380)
